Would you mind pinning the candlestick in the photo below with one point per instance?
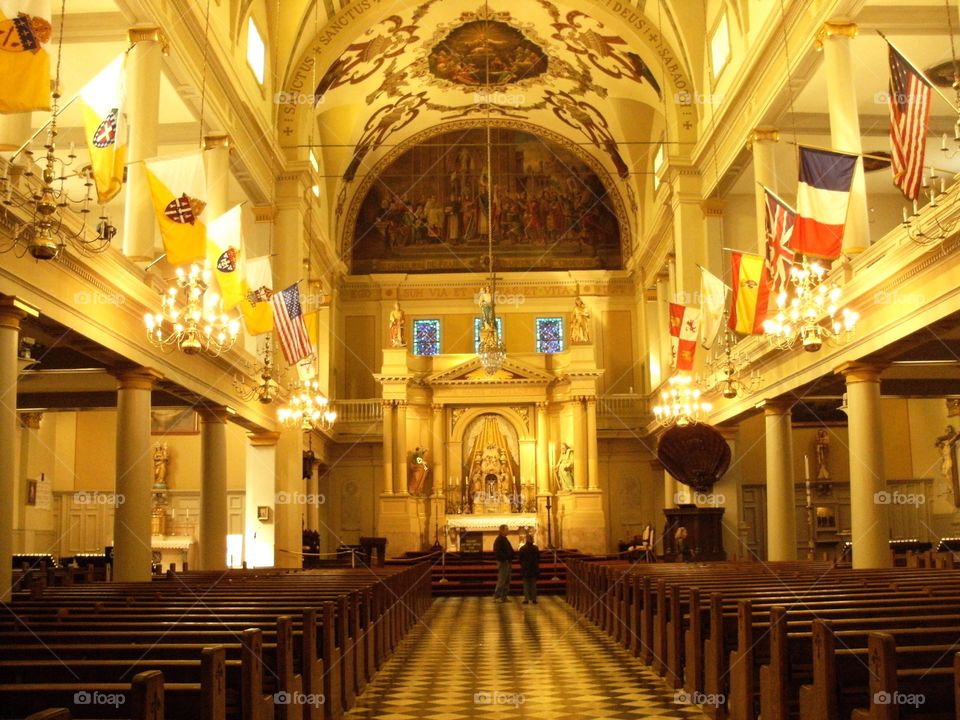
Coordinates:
(905, 218)
(806, 467)
(914, 207)
(943, 142)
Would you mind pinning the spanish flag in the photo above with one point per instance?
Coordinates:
(177, 188)
(225, 257)
(101, 100)
(256, 307)
(751, 293)
(25, 30)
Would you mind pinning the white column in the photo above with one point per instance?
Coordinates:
(260, 491)
(670, 489)
(213, 488)
(869, 519)
(713, 219)
(10, 318)
(400, 450)
(439, 450)
(216, 165)
(131, 525)
(845, 126)
(142, 108)
(763, 142)
(388, 447)
(544, 470)
(593, 460)
(580, 457)
(781, 500)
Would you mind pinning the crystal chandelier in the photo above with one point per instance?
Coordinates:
(810, 314)
(680, 403)
(190, 319)
(727, 369)
(307, 409)
(264, 391)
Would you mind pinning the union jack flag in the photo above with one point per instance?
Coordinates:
(779, 229)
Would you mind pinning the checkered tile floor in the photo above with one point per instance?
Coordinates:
(474, 658)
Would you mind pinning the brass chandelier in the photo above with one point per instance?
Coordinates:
(308, 409)
(680, 403)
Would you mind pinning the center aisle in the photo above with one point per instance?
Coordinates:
(475, 658)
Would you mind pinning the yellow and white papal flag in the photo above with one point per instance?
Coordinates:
(178, 191)
(225, 256)
(25, 30)
(101, 101)
(256, 308)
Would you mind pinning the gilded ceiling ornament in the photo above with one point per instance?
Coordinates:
(582, 116)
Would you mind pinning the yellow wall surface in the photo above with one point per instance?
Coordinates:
(360, 338)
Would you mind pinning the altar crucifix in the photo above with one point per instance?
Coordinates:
(947, 444)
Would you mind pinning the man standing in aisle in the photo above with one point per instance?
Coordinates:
(529, 569)
(503, 554)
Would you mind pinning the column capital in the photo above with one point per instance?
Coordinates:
(148, 32)
(590, 400)
(834, 29)
(437, 408)
(763, 134)
(542, 406)
(30, 420)
(10, 313)
(215, 414)
(777, 406)
(214, 140)
(141, 378)
(856, 372)
(263, 439)
(729, 432)
(953, 407)
(713, 207)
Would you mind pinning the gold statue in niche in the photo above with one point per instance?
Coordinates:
(491, 482)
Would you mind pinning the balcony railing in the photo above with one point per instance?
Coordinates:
(359, 411)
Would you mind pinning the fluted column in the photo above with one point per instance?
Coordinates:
(213, 488)
(388, 447)
(543, 451)
(132, 554)
(781, 500)
(10, 317)
(763, 143)
(438, 450)
(579, 445)
(142, 107)
(593, 460)
(836, 38)
(400, 451)
(869, 519)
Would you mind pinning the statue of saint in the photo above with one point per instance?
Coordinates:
(161, 457)
(823, 450)
(417, 475)
(565, 467)
(580, 324)
(485, 301)
(397, 322)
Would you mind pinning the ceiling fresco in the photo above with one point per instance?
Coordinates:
(536, 62)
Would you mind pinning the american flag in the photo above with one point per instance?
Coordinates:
(779, 229)
(289, 325)
(909, 117)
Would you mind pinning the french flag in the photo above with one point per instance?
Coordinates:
(822, 199)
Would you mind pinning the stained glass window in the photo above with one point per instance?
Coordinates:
(476, 332)
(549, 335)
(426, 337)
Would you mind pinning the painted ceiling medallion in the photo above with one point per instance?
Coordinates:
(486, 53)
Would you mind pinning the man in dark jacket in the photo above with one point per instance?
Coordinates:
(503, 554)
(529, 570)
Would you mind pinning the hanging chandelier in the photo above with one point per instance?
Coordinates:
(680, 403)
(728, 367)
(44, 233)
(266, 390)
(810, 315)
(190, 319)
(307, 409)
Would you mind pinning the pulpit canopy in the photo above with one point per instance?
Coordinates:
(697, 455)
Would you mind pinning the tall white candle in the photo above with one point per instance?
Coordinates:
(806, 466)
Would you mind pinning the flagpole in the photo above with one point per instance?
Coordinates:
(863, 155)
(41, 129)
(742, 252)
(920, 72)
